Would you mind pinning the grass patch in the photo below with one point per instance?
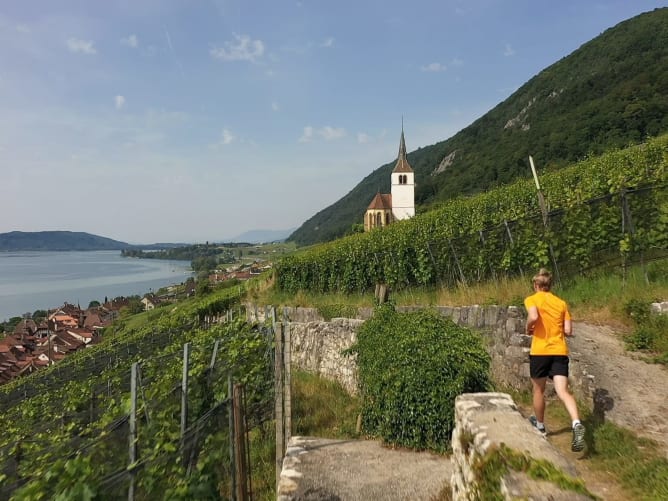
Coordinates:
(262, 458)
(603, 296)
(635, 463)
(322, 408)
(498, 461)
(306, 299)
(337, 311)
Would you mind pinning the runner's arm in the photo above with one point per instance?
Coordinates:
(532, 318)
(568, 327)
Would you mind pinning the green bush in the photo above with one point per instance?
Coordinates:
(651, 331)
(412, 366)
(637, 310)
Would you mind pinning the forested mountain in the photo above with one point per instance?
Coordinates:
(57, 241)
(609, 93)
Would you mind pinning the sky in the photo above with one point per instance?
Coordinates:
(197, 120)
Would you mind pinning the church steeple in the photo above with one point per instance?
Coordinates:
(403, 184)
(386, 208)
(402, 162)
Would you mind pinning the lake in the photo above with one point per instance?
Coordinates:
(32, 281)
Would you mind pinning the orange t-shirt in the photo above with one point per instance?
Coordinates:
(548, 332)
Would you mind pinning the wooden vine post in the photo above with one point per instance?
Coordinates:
(240, 470)
(544, 212)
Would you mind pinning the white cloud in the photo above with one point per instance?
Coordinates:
(83, 46)
(329, 42)
(327, 133)
(119, 101)
(22, 28)
(508, 51)
(307, 135)
(226, 137)
(456, 62)
(363, 138)
(274, 106)
(434, 67)
(242, 49)
(130, 41)
(330, 133)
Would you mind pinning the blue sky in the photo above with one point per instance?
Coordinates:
(185, 120)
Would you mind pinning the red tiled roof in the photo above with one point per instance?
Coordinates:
(382, 201)
(85, 333)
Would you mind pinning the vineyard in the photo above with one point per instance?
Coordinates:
(144, 415)
(611, 209)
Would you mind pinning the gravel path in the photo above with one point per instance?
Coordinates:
(629, 392)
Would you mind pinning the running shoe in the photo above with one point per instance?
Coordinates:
(578, 442)
(534, 423)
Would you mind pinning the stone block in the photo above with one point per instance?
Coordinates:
(485, 420)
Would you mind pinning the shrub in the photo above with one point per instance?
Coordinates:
(651, 331)
(637, 310)
(412, 366)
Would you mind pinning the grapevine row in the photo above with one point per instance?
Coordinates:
(612, 206)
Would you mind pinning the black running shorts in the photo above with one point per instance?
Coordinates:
(541, 366)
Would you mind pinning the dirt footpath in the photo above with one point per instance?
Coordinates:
(629, 392)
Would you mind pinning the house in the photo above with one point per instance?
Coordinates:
(16, 357)
(81, 334)
(385, 208)
(96, 319)
(59, 320)
(65, 343)
(26, 327)
(150, 301)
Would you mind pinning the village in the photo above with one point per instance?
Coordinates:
(36, 343)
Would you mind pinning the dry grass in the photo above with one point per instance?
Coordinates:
(598, 299)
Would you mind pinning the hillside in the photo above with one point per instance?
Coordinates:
(57, 241)
(610, 92)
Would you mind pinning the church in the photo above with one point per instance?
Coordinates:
(385, 208)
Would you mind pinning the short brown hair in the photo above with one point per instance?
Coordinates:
(543, 279)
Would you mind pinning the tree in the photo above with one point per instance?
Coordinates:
(93, 304)
(39, 314)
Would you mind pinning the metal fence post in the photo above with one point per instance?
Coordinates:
(184, 391)
(278, 396)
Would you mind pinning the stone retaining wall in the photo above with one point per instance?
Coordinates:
(484, 421)
(317, 344)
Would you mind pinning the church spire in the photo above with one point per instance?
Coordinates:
(402, 161)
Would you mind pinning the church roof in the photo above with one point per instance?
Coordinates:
(402, 161)
(382, 201)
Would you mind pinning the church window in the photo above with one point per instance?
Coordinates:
(387, 218)
(379, 219)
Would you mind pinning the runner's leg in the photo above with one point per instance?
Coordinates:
(539, 398)
(561, 387)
